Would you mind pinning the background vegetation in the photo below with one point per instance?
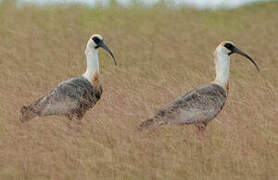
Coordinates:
(162, 54)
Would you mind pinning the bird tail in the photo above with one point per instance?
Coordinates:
(28, 112)
(151, 122)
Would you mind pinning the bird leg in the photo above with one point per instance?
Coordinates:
(79, 125)
(69, 122)
(78, 117)
(75, 117)
(201, 127)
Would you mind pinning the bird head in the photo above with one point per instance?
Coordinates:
(228, 48)
(95, 42)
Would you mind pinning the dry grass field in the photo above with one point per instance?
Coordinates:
(162, 53)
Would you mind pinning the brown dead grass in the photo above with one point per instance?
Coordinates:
(162, 54)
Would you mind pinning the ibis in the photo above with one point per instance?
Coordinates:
(72, 98)
(202, 104)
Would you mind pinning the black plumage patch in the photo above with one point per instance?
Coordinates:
(96, 39)
(229, 46)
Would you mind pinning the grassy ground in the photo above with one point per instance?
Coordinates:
(162, 54)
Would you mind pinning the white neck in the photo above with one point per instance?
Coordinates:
(92, 65)
(222, 67)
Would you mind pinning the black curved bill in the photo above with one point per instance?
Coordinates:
(238, 51)
(101, 44)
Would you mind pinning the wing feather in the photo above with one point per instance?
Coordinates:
(198, 105)
(69, 96)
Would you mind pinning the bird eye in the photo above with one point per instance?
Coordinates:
(96, 40)
(228, 46)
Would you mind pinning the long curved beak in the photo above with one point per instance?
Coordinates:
(238, 51)
(102, 45)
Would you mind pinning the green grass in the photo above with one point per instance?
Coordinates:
(162, 54)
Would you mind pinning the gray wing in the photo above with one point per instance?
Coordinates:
(199, 105)
(69, 96)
